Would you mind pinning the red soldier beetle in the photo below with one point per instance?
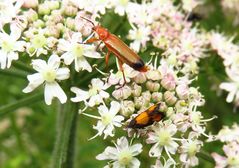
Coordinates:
(116, 46)
(147, 117)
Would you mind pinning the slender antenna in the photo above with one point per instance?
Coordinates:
(88, 20)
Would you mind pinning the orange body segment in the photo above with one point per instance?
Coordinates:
(148, 117)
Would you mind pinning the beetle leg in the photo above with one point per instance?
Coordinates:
(107, 59)
(122, 70)
(92, 40)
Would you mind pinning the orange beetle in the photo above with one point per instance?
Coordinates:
(116, 46)
(148, 117)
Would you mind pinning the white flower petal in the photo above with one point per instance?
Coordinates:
(81, 95)
(3, 59)
(11, 56)
(68, 58)
(82, 63)
(62, 73)
(34, 81)
(39, 65)
(54, 90)
(54, 61)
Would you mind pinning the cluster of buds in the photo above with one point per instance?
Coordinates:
(230, 138)
(229, 52)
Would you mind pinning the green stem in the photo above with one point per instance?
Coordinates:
(13, 73)
(206, 156)
(19, 103)
(63, 153)
(22, 66)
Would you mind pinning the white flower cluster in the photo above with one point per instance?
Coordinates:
(229, 52)
(56, 34)
(229, 136)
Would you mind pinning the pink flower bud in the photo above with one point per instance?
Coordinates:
(182, 91)
(70, 11)
(127, 108)
(140, 102)
(30, 3)
(152, 86)
(136, 90)
(153, 75)
(163, 107)
(122, 93)
(140, 78)
(168, 82)
(146, 95)
(157, 97)
(170, 98)
(31, 15)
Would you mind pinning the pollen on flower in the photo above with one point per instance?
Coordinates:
(7, 45)
(39, 41)
(49, 75)
(78, 50)
(125, 157)
(164, 137)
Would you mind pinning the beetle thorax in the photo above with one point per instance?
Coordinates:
(102, 32)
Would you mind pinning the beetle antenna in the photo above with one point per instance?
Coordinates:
(88, 20)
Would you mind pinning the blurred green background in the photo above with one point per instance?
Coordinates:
(27, 134)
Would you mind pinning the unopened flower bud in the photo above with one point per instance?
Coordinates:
(170, 97)
(168, 82)
(140, 102)
(43, 9)
(140, 78)
(170, 111)
(30, 3)
(70, 23)
(52, 42)
(122, 93)
(55, 16)
(136, 90)
(154, 75)
(127, 108)
(157, 97)
(38, 24)
(146, 95)
(70, 11)
(152, 86)
(53, 5)
(53, 31)
(182, 91)
(31, 15)
(163, 107)
(172, 60)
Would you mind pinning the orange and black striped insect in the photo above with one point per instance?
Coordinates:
(116, 46)
(148, 117)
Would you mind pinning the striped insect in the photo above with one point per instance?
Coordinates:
(147, 117)
(116, 46)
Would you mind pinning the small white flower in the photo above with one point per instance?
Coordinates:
(95, 95)
(48, 73)
(76, 51)
(122, 155)
(167, 164)
(37, 45)
(121, 6)
(140, 37)
(232, 86)
(189, 149)
(107, 119)
(9, 10)
(162, 136)
(10, 47)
